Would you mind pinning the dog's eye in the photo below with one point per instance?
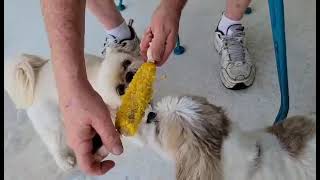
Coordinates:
(151, 117)
(126, 63)
(120, 89)
(129, 76)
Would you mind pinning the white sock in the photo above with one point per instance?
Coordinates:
(225, 23)
(120, 32)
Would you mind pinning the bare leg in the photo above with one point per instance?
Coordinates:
(106, 12)
(236, 8)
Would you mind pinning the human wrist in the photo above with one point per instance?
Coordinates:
(70, 74)
(174, 6)
(72, 88)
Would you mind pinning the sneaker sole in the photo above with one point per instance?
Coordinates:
(228, 82)
(237, 85)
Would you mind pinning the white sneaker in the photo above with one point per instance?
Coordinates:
(131, 45)
(237, 69)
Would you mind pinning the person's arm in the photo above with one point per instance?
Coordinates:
(84, 112)
(64, 20)
(177, 5)
(163, 30)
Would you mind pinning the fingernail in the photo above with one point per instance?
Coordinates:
(117, 150)
(107, 165)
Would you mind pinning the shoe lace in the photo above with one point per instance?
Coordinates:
(235, 46)
(112, 42)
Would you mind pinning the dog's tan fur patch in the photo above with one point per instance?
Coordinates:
(294, 133)
(198, 147)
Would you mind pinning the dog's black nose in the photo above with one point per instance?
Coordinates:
(129, 76)
(120, 89)
(151, 117)
(126, 63)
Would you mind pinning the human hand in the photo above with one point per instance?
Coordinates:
(85, 114)
(162, 32)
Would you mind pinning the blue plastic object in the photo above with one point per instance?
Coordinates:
(276, 10)
(120, 6)
(178, 49)
(248, 10)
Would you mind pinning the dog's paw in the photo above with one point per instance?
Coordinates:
(65, 161)
(129, 69)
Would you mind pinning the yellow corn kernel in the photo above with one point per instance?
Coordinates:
(136, 99)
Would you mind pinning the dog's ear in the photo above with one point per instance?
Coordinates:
(194, 161)
(196, 130)
(172, 134)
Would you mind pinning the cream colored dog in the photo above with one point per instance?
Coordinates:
(29, 81)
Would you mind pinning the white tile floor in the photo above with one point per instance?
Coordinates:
(194, 72)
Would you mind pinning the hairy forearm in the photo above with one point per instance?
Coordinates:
(64, 20)
(176, 5)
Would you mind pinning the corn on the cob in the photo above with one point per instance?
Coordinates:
(136, 99)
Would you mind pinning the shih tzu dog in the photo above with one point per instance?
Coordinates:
(29, 81)
(206, 145)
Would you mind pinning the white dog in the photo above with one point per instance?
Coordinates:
(30, 83)
(206, 145)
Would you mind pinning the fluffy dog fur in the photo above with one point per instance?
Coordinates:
(196, 135)
(29, 81)
(206, 145)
